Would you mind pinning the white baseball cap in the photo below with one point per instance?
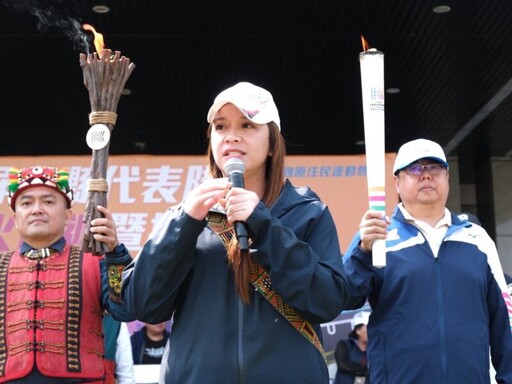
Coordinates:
(418, 149)
(360, 318)
(254, 102)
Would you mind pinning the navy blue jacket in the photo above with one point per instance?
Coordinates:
(433, 319)
(182, 269)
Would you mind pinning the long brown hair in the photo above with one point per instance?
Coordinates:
(242, 262)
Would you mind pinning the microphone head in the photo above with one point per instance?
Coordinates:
(234, 165)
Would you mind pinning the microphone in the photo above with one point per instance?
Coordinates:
(235, 169)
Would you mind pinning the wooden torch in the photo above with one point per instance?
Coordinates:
(105, 75)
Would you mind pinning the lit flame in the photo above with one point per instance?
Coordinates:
(98, 37)
(365, 44)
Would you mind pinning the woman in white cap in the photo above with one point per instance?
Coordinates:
(243, 313)
(350, 354)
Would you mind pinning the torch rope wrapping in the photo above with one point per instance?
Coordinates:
(104, 117)
(97, 185)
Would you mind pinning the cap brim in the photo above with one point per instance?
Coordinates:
(218, 105)
(214, 109)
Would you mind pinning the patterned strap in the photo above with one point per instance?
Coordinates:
(260, 278)
(74, 308)
(4, 267)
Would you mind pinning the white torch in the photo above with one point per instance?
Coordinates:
(372, 86)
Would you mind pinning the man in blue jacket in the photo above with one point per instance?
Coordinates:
(441, 300)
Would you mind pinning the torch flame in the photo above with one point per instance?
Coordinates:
(365, 44)
(98, 37)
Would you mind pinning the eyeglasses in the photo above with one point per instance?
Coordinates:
(418, 169)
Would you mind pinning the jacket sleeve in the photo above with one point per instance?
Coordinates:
(118, 311)
(152, 282)
(500, 334)
(360, 272)
(308, 271)
(116, 261)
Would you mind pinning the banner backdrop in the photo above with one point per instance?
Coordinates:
(142, 187)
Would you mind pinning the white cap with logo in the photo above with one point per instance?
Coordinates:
(416, 150)
(254, 102)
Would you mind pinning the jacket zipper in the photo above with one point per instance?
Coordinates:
(442, 330)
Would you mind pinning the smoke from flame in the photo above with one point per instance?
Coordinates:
(60, 15)
(99, 43)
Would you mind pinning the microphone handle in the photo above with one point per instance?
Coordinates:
(237, 181)
(242, 235)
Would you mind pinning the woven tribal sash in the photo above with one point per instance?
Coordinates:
(261, 280)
